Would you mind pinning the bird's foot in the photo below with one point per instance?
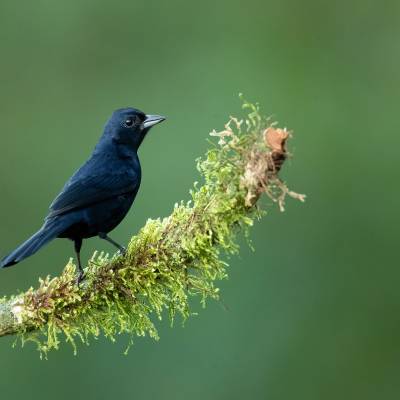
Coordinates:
(122, 251)
(80, 277)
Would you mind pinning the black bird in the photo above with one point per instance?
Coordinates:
(100, 193)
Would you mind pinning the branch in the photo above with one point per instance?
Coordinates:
(169, 259)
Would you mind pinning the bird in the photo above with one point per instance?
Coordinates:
(100, 193)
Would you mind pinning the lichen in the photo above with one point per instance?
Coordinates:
(169, 260)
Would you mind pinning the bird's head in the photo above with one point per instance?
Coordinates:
(129, 126)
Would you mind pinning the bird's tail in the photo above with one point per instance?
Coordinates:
(50, 230)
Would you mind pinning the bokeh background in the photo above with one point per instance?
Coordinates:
(313, 313)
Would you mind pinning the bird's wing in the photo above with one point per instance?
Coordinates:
(92, 189)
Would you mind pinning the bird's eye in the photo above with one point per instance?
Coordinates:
(129, 122)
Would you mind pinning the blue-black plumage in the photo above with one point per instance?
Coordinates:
(100, 193)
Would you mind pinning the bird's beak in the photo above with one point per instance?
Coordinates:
(152, 120)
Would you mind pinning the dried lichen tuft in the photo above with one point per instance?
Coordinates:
(169, 260)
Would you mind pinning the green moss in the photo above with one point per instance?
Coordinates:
(167, 262)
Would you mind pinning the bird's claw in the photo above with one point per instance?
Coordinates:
(122, 251)
(80, 277)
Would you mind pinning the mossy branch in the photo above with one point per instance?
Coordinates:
(169, 259)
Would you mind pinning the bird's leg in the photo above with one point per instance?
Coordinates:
(121, 249)
(78, 246)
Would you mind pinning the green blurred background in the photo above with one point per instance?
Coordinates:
(313, 313)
